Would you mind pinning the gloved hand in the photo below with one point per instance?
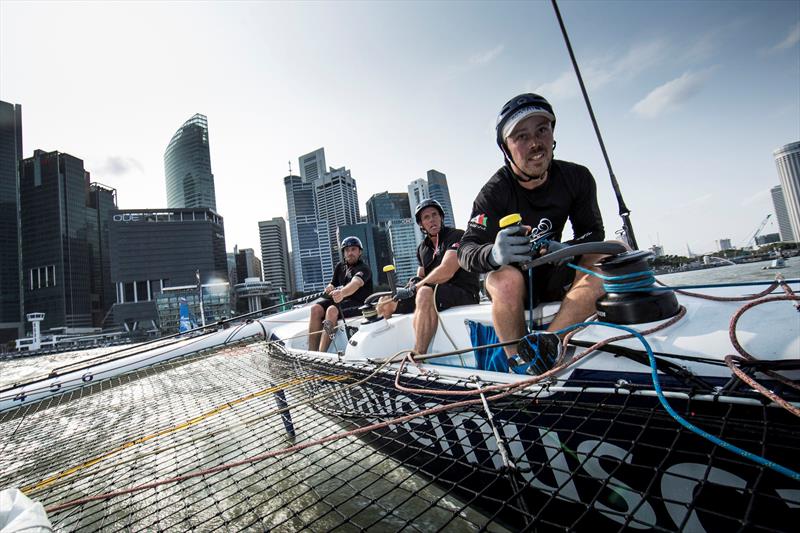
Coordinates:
(510, 247)
(413, 281)
(549, 247)
(404, 293)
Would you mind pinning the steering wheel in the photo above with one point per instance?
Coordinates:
(585, 248)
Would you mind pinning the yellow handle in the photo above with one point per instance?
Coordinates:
(388, 268)
(510, 220)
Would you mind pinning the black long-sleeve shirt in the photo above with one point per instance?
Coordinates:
(570, 193)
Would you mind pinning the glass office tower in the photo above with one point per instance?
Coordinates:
(11, 320)
(187, 167)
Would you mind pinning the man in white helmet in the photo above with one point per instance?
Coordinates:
(546, 192)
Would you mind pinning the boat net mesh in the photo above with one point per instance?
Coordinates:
(206, 433)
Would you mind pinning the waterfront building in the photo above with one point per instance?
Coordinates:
(311, 257)
(336, 198)
(769, 238)
(65, 243)
(782, 214)
(402, 240)
(724, 244)
(167, 302)
(658, 250)
(155, 249)
(275, 253)
(187, 167)
(787, 161)
(102, 202)
(385, 206)
(439, 191)
(248, 265)
(11, 308)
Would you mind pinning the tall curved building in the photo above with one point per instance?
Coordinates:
(187, 166)
(787, 159)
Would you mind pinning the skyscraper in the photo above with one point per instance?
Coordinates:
(311, 257)
(402, 238)
(63, 245)
(275, 253)
(102, 202)
(187, 167)
(337, 202)
(312, 165)
(11, 319)
(385, 206)
(787, 159)
(248, 265)
(781, 213)
(439, 191)
(417, 191)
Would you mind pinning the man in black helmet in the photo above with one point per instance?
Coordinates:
(349, 287)
(546, 192)
(438, 269)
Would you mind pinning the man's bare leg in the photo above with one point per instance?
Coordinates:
(425, 319)
(579, 302)
(506, 287)
(314, 327)
(332, 316)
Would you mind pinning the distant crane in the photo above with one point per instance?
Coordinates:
(752, 240)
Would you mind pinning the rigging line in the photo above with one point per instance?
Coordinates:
(624, 212)
(441, 323)
(729, 360)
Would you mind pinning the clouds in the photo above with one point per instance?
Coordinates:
(671, 95)
(117, 166)
(791, 39)
(488, 56)
(600, 72)
(475, 61)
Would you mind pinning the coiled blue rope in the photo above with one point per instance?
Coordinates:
(688, 425)
(648, 278)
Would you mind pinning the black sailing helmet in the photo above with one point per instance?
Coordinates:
(351, 241)
(429, 202)
(518, 103)
(521, 106)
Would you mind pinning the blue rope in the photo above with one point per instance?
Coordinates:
(647, 280)
(688, 425)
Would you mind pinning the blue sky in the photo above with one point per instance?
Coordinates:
(691, 97)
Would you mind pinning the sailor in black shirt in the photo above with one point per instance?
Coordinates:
(349, 287)
(546, 193)
(438, 269)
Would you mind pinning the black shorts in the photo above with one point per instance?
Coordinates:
(447, 296)
(550, 283)
(348, 307)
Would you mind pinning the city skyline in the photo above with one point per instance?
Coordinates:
(674, 100)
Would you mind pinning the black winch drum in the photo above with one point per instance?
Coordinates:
(633, 307)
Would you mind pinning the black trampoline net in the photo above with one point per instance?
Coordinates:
(251, 437)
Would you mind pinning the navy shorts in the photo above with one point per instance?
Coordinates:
(348, 307)
(447, 296)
